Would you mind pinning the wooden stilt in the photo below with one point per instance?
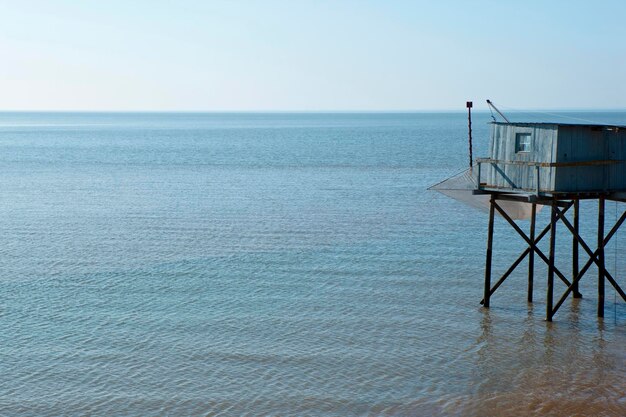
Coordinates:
(531, 254)
(575, 265)
(558, 208)
(527, 251)
(601, 265)
(550, 290)
(558, 273)
(593, 258)
(487, 293)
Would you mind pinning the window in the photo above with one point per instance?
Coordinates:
(522, 142)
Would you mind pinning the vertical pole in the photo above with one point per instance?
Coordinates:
(538, 180)
(601, 257)
(550, 293)
(489, 251)
(469, 129)
(531, 254)
(575, 266)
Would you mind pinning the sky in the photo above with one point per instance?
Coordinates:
(299, 55)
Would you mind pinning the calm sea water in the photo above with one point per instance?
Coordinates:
(277, 264)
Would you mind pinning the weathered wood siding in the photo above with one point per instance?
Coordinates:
(579, 144)
(543, 148)
(554, 143)
(587, 143)
(617, 152)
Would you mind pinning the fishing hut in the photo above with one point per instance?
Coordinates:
(551, 165)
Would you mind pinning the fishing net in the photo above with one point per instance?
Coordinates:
(461, 186)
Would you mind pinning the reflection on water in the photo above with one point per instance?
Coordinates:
(546, 369)
(286, 265)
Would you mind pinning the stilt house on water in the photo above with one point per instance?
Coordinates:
(532, 165)
(554, 159)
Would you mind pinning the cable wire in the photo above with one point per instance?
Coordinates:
(542, 113)
(615, 274)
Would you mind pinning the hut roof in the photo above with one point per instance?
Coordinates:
(547, 124)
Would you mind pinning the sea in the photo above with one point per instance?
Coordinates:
(281, 264)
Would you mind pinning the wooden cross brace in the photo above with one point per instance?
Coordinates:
(594, 257)
(557, 214)
(532, 248)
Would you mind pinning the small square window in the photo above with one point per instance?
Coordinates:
(522, 142)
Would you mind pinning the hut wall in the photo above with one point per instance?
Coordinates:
(543, 145)
(617, 152)
(580, 144)
(585, 143)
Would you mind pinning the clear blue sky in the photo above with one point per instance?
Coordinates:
(311, 55)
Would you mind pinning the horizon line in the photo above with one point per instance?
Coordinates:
(320, 111)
